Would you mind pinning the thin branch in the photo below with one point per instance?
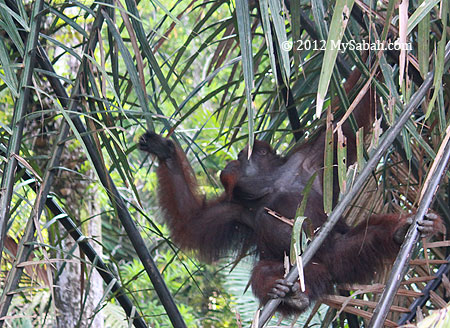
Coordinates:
(401, 263)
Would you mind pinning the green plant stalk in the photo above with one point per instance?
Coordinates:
(22, 103)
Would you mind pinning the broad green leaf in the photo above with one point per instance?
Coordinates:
(402, 22)
(305, 194)
(342, 160)
(328, 165)
(360, 149)
(296, 31)
(421, 11)
(245, 41)
(302, 228)
(439, 60)
(5, 11)
(264, 7)
(338, 24)
(423, 43)
(296, 240)
(441, 112)
(387, 23)
(318, 11)
(280, 30)
(406, 144)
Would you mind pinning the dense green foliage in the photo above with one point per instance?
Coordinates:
(213, 75)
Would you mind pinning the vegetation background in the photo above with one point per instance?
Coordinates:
(214, 75)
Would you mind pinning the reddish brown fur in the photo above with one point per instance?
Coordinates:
(229, 177)
(237, 220)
